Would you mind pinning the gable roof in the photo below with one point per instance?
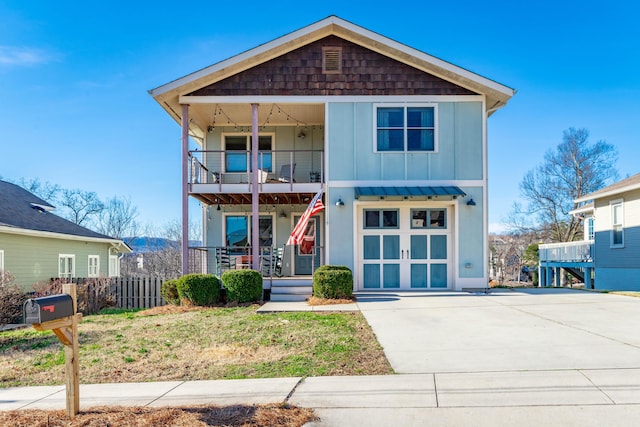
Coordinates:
(22, 212)
(172, 94)
(628, 184)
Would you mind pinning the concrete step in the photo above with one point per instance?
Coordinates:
(306, 290)
(288, 297)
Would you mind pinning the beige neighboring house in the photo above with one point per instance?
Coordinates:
(36, 244)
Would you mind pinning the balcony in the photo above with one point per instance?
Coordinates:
(569, 252)
(284, 176)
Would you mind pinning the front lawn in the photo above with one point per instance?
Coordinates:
(201, 344)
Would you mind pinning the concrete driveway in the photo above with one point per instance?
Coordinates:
(505, 330)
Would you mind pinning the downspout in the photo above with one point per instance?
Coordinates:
(255, 190)
(185, 194)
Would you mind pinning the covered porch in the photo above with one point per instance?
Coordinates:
(574, 257)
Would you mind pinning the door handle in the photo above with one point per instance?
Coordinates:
(402, 251)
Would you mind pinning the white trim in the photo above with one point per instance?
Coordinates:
(97, 265)
(313, 99)
(50, 234)
(1, 261)
(405, 106)
(612, 205)
(608, 193)
(64, 274)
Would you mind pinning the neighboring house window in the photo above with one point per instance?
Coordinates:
(405, 128)
(114, 266)
(94, 266)
(238, 149)
(237, 235)
(590, 234)
(66, 266)
(617, 224)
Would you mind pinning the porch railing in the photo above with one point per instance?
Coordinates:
(566, 252)
(276, 166)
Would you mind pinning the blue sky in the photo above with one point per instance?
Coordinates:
(74, 76)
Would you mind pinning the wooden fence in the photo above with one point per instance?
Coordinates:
(137, 292)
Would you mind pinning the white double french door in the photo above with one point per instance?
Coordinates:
(404, 247)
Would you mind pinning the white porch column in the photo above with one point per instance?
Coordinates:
(185, 188)
(255, 190)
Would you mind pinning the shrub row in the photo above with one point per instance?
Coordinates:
(205, 289)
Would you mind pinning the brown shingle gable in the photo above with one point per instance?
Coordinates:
(300, 72)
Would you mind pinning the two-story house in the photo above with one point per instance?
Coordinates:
(395, 138)
(608, 257)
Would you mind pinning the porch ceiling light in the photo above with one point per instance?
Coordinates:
(218, 207)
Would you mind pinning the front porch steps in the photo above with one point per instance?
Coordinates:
(291, 289)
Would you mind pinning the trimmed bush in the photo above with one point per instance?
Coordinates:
(199, 289)
(169, 291)
(242, 285)
(333, 282)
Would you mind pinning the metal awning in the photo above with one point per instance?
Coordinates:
(429, 191)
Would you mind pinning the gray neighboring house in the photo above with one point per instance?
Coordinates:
(36, 244)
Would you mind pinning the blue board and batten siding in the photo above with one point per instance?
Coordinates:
(459, 157)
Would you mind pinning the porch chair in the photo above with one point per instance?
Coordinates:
(286, 173)
(272, 263)
(225, 261)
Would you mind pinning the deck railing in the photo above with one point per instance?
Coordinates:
(567, 252)
(275, 166)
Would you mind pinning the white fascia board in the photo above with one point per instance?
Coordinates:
(247, 99)
(583, 210)
(409, 183)
(62, 236)
(608, 193)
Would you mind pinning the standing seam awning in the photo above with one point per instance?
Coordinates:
(409, 191)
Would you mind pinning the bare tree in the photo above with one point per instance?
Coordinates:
(45, 190)
(82, 206)
(574, 169)
(118, 219)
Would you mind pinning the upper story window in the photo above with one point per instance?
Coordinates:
(405, 128)
(617, 224)
(238, 150)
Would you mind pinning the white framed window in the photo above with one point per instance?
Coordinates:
(238, 149)
(94, 266)
(1, 262)
(114, 266)
(617, 224)
(590, 232)
(66, 266)
(405, 128)
(238, 232)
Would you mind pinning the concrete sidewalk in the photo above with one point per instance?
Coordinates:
(507, 358)
(523, 398)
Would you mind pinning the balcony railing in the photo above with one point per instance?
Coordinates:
(567, 252)
(276, 166)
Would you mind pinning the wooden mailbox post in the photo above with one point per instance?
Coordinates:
(58, 313)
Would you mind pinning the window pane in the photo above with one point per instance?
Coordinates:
(617, 214)
(266, 231)
(371, 219)
(390, 140)
(436, 218)
(237, 232)
(418, 218)
(420, 117)
(420, 140)
(391, 117)
(236, 162)
(390, 219)
(617, 235)
(264, 156)
(235, 143)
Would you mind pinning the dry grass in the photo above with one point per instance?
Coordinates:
(232, 416)
(168, 344)
(323, 301)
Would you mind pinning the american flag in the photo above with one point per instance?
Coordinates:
(298, 231)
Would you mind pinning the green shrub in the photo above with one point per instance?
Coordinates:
(199, 289)
(333, 282)
(242, 285)
(169, 291)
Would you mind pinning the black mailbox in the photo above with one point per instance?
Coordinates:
(40, 310)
